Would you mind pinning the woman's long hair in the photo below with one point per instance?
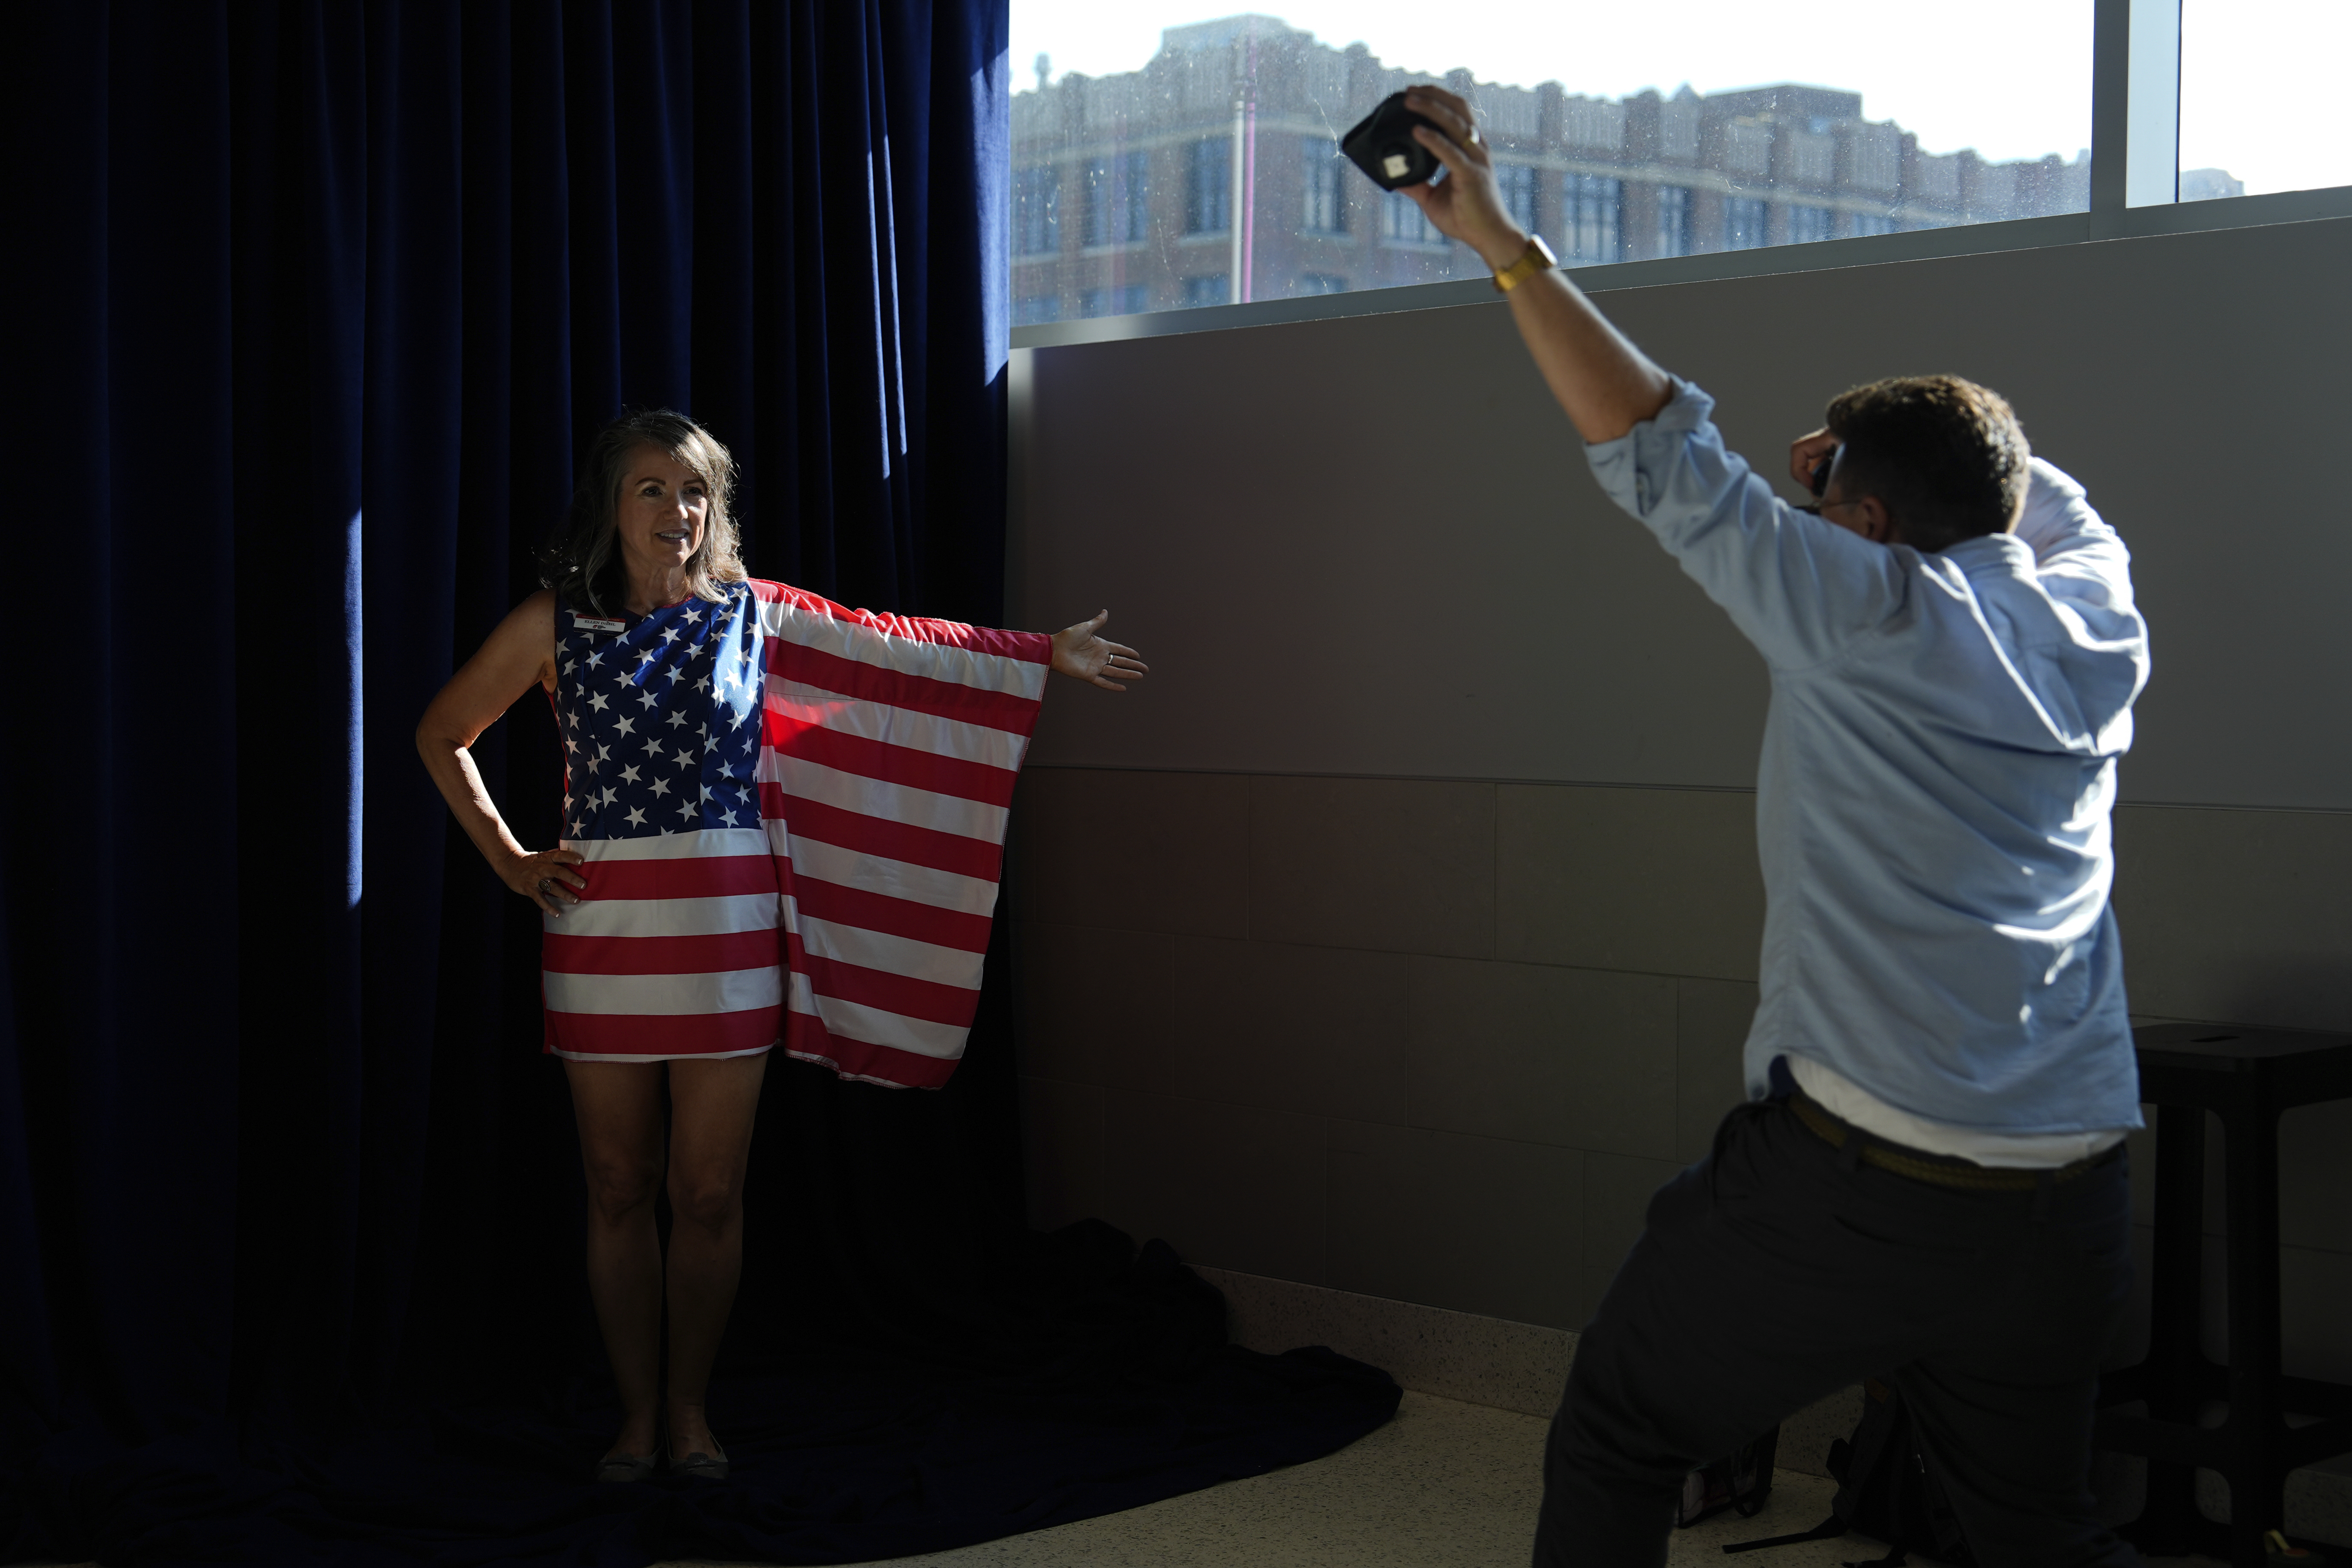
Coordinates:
(583, 565)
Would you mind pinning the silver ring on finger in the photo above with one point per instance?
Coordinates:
(544, 884)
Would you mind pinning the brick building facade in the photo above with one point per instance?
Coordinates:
(1212, 174)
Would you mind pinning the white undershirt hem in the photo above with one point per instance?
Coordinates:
(1850, 1102)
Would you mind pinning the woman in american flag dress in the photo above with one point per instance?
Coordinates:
(782, 826)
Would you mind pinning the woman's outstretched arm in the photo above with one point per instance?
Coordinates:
(520, 654)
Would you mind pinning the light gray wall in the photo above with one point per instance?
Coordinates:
(1400, 933)
(1371, 545)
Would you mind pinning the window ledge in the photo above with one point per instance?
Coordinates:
(1864, 250)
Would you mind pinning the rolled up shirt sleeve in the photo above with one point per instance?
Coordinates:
(2079, 560)
(1799, 588)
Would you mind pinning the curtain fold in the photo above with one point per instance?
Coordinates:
(318, 298)
(332, 291)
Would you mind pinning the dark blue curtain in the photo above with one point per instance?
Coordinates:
(313, 299)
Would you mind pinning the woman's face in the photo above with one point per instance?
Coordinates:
(662, 513)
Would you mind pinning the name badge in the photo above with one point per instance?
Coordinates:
(589, 624)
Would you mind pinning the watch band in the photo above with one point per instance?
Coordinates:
(1535, 259)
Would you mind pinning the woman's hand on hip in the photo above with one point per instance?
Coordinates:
(546, 879)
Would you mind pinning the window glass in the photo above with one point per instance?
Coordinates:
(1591, 210)
(1198, 158)
(1326, 210)
(2258, 105)
(1674, 203)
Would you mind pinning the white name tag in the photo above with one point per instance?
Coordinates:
(589, 624)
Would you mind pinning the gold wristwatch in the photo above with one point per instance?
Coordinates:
(1532, 261)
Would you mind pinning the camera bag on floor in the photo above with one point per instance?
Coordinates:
(1885, 1489)
(1740, 1479)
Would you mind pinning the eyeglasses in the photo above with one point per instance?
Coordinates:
(1821, 482)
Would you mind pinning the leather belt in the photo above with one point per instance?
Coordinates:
(1934, 1169)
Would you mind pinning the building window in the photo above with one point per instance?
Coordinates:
(1118, 197)
(1743, 223)
(1210, 288)
(1592, 204)
(1320, 283)
(1673, 220)
(1808, 224)
(1517, 182)
(1403, 223)
(1031, 309)
(1123, 299)
(1872, 223)
(1208, 186)
(1037, 210)
(1327, 206)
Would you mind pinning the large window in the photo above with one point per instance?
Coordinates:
(1203, 152)
(2260, 104)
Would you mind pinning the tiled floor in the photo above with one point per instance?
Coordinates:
(1445, 1485)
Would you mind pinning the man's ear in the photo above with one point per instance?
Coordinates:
(1872, 521)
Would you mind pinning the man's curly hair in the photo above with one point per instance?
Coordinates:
(1945, 456)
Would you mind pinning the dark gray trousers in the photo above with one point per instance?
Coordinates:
(1779, 1270)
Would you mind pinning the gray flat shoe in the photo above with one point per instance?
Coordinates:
(626, 1467)
(701, 1465)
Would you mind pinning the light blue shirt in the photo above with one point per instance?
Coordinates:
(1933, 799)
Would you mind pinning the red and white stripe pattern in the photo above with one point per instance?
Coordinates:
(887, 755)
(706, 985)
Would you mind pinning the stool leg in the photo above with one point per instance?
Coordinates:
(2175, 1355)
(2257, 1486)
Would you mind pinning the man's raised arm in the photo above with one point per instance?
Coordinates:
(1606, 384)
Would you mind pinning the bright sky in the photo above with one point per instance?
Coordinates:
(2009, 77)
(2262, 90)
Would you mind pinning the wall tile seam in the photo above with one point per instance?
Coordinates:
(1410, 952)
(1495, 781)
(2137, 1019)
(1610, 783)
(1329, 1120)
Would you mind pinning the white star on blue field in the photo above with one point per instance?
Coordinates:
(660, 731)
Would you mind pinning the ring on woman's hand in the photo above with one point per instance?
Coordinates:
(544, 884)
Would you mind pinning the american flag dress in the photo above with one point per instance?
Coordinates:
(791, 820)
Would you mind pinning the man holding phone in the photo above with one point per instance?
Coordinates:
(1928, 1185)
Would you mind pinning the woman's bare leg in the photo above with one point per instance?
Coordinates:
(618, 1107)
(712, 1104)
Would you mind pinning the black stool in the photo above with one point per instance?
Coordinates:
(2245, 1076)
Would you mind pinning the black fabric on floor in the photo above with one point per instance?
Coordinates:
(1099, 1383)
